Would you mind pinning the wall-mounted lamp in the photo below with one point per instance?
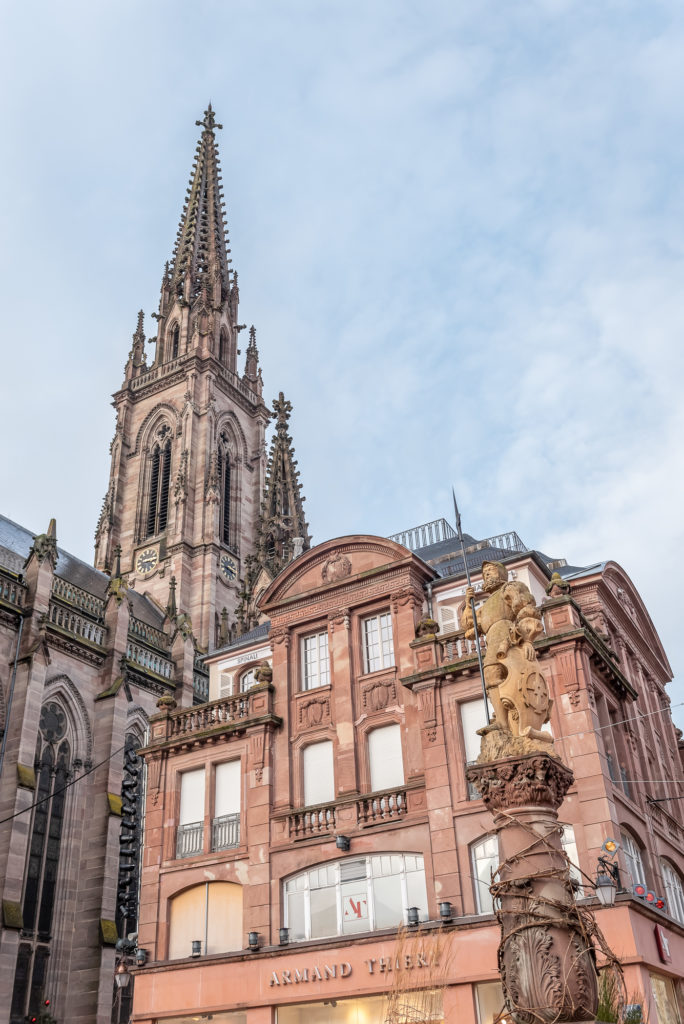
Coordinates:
(140, 957)
(446, 911)
(284, 936)
(605, 889)
(253, 941)
(196, 947)
(343, 843)
(413, 917)
(121, 976)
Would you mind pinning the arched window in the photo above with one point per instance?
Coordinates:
(484, 858)
(175, 342)
(53, 770)
(674, 891)
(225, 490)
(223, 346)
(209, 913)
(247, 680)
(357, 894)
(159, 479)
(634, 863)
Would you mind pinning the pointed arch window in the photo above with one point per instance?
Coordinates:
(223, 346)
(159, 479)
(175, 342)
(225, 485)
(53, 771)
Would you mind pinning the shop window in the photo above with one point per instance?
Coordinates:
(225, 825)
(315, 661)
(385, 758)
(423, 1005)
(633, 861)
(484, 858)
(190, 832)
(210, 913)
(319, 776)
(358, 894)
(665, 999)
(674, 891)
(489, 1001)
(378, 643)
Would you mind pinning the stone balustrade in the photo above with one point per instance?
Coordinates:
(148, 633)
(11, 590)
(149, 660)
(363, 812)
(78, 625)
(67, 592)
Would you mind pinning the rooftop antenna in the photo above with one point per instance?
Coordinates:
(472, 608)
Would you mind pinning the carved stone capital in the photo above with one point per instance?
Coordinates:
(538, 779)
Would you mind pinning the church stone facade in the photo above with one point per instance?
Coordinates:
(87, 653)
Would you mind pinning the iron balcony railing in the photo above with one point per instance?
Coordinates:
(190, 839)
(225, 832)
(422, 536)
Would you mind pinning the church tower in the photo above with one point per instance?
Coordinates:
(282, 532)
(188, 454)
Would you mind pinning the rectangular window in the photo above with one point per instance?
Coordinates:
(490, 1001)
(378, 644)
(384, 755)
(319, 777)
(315, 661)
(190, 833)
(484, 857)
(225, 826)
(473, 717)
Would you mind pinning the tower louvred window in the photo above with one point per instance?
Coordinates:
(225, 483)
(160, 477)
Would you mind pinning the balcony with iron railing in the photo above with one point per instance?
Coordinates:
(225, 832)
(190, 839)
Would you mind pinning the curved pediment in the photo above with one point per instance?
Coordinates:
(634, 609)
(335, 562)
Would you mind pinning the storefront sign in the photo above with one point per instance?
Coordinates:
(332, 972)
(253, 656)
(663, 944)
(327, 973)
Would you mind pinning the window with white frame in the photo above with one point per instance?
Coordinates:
(490, 1001)
(484, 858)
(190, 832)
(225, 825)
(357, 894)
(378, 644)
(247, 680)
(473, 717)
(319, 775)
(674, 891)
(632, 854)
(385, 758)
(570, 849)
(315, 661)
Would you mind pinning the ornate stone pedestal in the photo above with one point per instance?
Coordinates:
(546, 956)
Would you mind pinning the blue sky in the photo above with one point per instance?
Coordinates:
(458, 229)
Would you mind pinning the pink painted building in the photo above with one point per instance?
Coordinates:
(318, 801)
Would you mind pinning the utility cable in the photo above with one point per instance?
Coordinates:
(67, 785)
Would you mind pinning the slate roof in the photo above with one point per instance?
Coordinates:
(259, 632)
(15, 544)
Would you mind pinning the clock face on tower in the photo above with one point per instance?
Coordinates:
(228, 568)
(146, 561)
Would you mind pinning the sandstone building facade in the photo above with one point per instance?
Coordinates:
(318, 802)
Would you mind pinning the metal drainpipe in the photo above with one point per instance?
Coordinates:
(11, 693)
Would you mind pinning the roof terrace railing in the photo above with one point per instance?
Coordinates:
(422, 536)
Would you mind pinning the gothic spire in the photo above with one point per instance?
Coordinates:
(282, 531)
(200, 257)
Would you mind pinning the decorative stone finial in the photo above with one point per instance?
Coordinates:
(171, 609)
(557, 587)
(209, 122)
(44, 545)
